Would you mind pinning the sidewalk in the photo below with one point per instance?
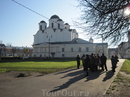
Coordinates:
(69, 83)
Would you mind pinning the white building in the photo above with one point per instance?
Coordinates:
(58, 40)
(124, 48)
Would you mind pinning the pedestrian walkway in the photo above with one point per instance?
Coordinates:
(68, 83)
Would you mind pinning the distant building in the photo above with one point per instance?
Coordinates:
(124, 48)
(59, 40)
(2, 50)
(112, 51)
(19, 51)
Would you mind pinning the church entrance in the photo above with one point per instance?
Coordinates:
(52, 54)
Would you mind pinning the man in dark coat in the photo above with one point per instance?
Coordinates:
(103, 62)
(83, 62)
(92, 63)
(78, 61)
(87, 63)
(113, 62)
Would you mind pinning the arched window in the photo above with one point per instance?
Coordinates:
(52, 25)
(40, 27)
(58, 26)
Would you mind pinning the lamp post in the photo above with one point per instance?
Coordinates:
(102, 43)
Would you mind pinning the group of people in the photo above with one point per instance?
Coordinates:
(95, 62)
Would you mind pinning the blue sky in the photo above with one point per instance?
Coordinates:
(18, 24)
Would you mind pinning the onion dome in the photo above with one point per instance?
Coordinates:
(42, 22)
(66, 24)
(54, 17)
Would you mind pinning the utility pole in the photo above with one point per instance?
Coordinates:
(102, 44)
(49, 47)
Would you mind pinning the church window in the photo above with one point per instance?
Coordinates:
(65, 27)
(79, 49)
(47, 36)
(62, 49)
(71, 49)
(63, 55)
(40, 55)
(58, 26)
(87, 49)
(52, 25)
(40, 27)
(45, 49)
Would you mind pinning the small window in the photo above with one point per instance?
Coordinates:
(58, 26)
(79, 49)
(62, 49)
(63, 55)
(71, 49)
(40, 27)
(87, 49)
(52, 25)
(40, 55)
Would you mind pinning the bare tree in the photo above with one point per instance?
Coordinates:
(106, 18)
(14, 50)
(26, 51)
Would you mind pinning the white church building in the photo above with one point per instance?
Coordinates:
(59, 40)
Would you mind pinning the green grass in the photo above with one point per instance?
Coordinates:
(40, 66)
(126, 66)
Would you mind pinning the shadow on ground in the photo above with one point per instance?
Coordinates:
(94, 75)
(109, 75)
(77, 75)
(65, 71)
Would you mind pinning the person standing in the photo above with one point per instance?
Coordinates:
(113, 62)
(116, 58)
(78, 61)
(103, 62)
(83, 62)
(86, 66)
(92, 63)
(97, 60)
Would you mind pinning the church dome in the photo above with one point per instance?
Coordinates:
(91, 40)
(54, 17)
(42, 22)
(66, 24)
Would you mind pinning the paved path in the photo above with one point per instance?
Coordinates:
(69, 83)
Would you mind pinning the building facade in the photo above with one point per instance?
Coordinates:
(58, 40)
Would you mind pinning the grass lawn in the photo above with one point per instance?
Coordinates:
(38, 66)
(126, 66)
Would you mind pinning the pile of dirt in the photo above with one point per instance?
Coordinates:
(12, 75)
